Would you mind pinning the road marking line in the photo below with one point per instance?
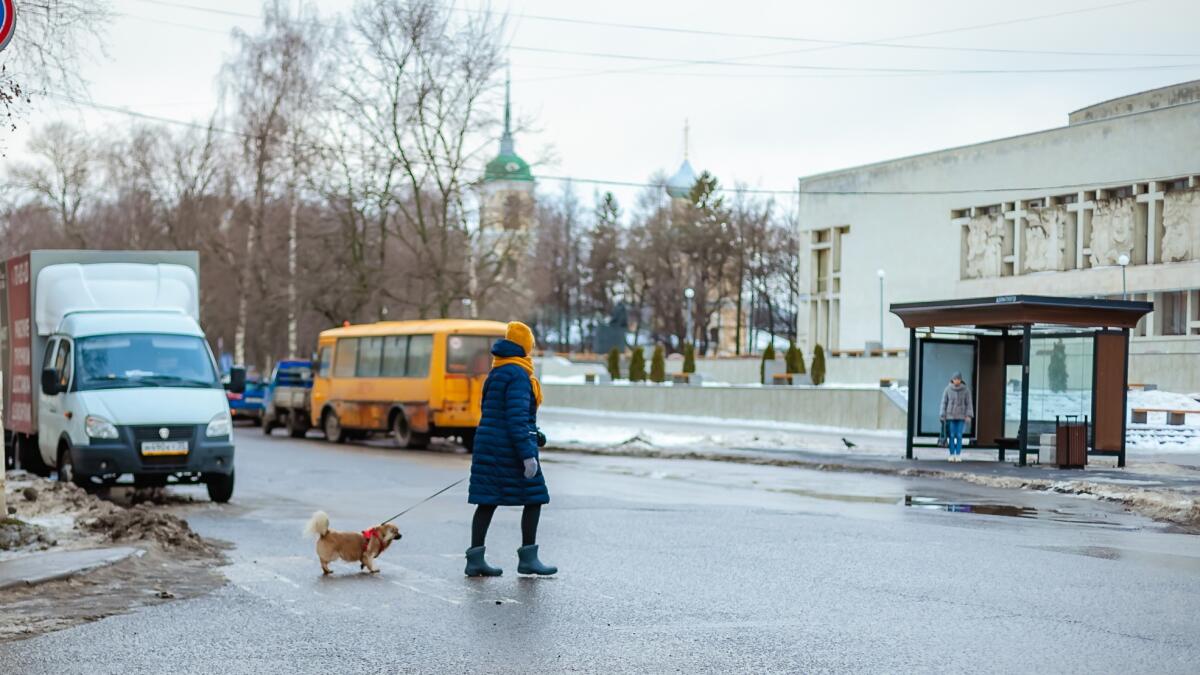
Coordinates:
(432, 595)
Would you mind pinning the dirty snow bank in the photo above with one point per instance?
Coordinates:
(1163, 505)
(66, 516)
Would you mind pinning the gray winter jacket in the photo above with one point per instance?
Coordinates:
(956, 403)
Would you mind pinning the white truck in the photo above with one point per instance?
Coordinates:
(107, 373)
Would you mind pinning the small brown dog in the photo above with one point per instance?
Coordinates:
(362, 546)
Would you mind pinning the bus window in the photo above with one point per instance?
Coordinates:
(420, 351)
(345, 358)
(370, 353)
(469, 354)
(395, 350)
(324, 361)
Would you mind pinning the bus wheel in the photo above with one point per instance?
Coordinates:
(405, 436)
(333, 428)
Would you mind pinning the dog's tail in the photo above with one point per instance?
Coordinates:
(318, 525)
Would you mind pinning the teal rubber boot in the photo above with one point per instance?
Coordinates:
(477, 566)
(530, 564)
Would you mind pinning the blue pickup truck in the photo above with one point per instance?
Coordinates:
(247, 404)
(287, 398)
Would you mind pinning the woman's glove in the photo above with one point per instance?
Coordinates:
(531, 467)
(541, 439)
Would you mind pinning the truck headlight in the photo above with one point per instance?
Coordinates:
(221, 425)
(98, 427)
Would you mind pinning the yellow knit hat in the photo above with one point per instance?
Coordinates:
(521, 334)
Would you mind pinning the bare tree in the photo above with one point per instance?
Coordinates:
(416, 87)
(268, 72)
(52, 39)
(63, 177)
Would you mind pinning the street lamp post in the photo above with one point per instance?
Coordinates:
(881, 274)
(689, 294)
(1123, 261)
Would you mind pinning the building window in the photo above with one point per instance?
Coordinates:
(1172, 311)
(825, 246)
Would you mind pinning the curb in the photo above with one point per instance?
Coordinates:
(40, 568)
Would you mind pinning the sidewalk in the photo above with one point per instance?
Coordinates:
(1168, 492)
(39, 568)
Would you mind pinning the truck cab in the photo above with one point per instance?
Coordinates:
(134, 394)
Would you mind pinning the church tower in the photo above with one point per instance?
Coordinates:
(679, 186)
(507, 182)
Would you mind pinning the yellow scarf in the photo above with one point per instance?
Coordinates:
(526, 364)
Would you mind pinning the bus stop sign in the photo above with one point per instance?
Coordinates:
(8, 21)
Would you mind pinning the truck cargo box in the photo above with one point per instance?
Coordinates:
(78, 286)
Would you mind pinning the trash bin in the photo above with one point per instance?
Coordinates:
(1070, 437)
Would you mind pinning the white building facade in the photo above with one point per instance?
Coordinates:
(1046, 213)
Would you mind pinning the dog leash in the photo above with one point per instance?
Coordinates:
(423, 501)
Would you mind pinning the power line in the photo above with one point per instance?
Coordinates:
(887, 43)
(858, 43)
(944, 31)
(853, 69)
(643, 184)
(812, 70)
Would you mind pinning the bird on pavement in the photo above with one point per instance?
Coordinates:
(849, 444)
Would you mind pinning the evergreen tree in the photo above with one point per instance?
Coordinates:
(818, 365)
(1057, 371)
(794, 359)
(658, 365)
(637, 366)
(614, 363)
(768, 355)
(689, 358)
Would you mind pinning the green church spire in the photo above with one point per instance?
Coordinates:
(508, 165)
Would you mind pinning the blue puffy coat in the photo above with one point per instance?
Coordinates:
(507, 435)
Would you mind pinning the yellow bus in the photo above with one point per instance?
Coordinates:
(414, 379)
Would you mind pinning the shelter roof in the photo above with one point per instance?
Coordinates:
(1016, 310)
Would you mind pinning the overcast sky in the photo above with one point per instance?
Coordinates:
(606, 108)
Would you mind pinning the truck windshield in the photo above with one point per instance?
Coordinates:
(143, 360)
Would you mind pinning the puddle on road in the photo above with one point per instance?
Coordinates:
(1170, 561)
(1008, 511)
(936, 504)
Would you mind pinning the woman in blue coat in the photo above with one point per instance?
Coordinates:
(504, 467)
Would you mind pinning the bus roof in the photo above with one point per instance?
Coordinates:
(466, 326)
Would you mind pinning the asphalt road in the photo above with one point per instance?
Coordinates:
(665, 566)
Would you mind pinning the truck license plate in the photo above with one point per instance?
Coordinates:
(165, 448)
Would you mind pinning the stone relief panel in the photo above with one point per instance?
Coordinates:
(985, 246)
(1181, 226)
(1112, 230)
(1045, 243)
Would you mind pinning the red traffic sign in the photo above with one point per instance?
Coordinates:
(8, 21)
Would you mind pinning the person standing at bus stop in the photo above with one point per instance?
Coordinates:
(505, 470)
(956, 412)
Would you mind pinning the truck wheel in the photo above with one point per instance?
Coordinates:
(30, 456)
(468, 440)
(66, 470)
(332, 427)
(297, 425)
(405, 436)
(268, 425)
(220, 486)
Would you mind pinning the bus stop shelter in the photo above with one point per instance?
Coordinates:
(1030, 362)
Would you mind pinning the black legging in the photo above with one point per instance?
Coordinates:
(483, 518)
